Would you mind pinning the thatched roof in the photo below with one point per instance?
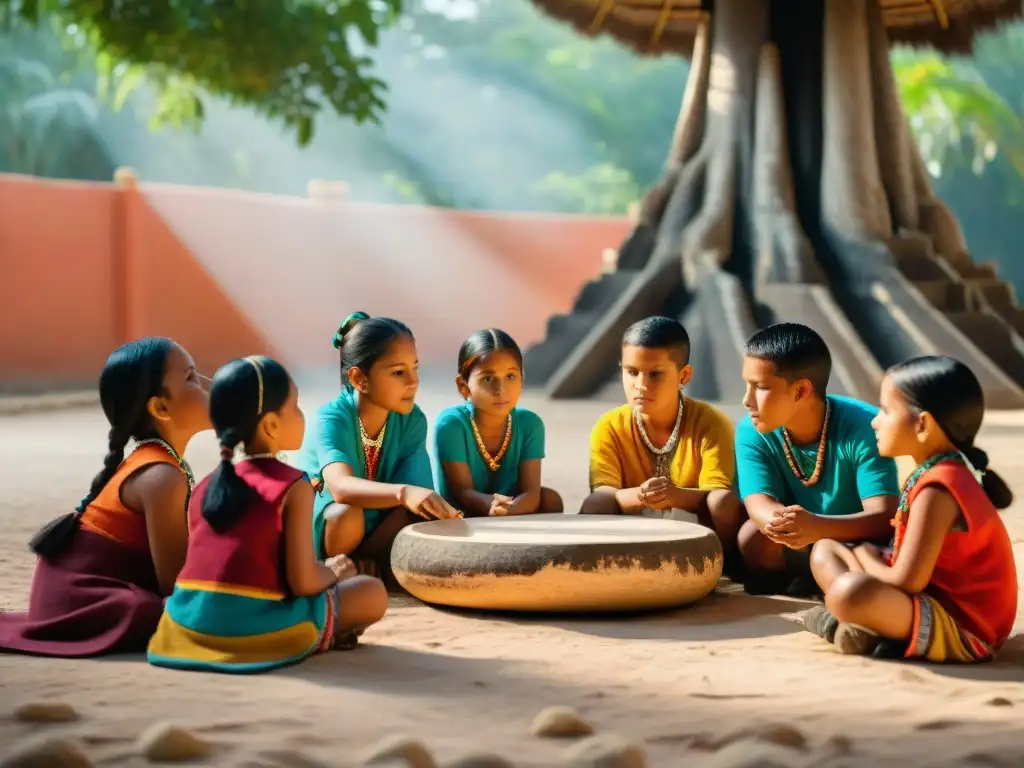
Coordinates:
(668, 26)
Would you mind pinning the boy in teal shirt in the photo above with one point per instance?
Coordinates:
(807, 463)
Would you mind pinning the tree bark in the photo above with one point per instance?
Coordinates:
(784, 252)
(894, 144)
(760, 141)
(659, 208)
(739, 28)
(852, 196)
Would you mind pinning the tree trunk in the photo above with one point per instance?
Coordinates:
(791, 124)
(792, 164)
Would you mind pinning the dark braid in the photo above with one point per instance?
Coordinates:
(133, 374)
(117, 440)
(241, 394)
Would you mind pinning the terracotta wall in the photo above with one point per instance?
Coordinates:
(85, 266)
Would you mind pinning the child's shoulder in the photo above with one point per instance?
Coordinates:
(615, 420)
(855, 414)
(528, 419)
(454, 414)
(708, 416)
(336, 406)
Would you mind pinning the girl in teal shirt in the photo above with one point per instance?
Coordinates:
(366, 450)
(488, 451)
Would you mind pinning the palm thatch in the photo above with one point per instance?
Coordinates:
(654, 27)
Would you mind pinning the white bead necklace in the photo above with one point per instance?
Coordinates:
(662, 456)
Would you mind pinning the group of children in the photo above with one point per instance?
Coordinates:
(263, 563)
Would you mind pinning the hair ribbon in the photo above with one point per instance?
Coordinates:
(259, 381)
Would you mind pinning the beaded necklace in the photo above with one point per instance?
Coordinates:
(494, 462)
(661, 457)
(182, 464)
(904, 504)
(819, 461)
(371, 449)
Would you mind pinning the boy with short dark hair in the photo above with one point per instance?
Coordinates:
(807, 462)
(664, 454)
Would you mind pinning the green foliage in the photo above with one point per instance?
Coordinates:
(601, 189)
(953, 109)
(47, 125)
(625, 106)
(289, 60)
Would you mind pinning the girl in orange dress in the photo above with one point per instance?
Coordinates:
(103, 569)
(946, 590)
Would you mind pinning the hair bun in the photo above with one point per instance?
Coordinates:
(347, 325)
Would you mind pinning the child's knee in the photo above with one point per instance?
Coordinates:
(757, 550)
(823, 554)
(550, 501)
(849, 594)
(600, 503)
(363, 600)
(725, 507)
(344, 529)
(750, 539)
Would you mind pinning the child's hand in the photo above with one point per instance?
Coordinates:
(501, 505)
(794, 527)
(427, 504)
(654, 492)
(342, 567)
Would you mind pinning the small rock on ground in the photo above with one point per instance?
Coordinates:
(775, 733)
(480, 760)
(606, 751)
(47, 753)
(560, 722)
(37, 712)
(165, 743)
(753, 753)
(399, 752)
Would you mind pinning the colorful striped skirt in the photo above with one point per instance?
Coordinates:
(936, 636)
(217, 628)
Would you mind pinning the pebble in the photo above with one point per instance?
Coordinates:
(47, 753)
(37, 712)
(399, 752)
(560, 722)
(165, 743)
(480, 760)
(753, 753)
(778, 734)
(606, 751)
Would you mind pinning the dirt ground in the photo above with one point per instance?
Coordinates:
(676, 683)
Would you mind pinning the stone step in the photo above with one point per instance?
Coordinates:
(993, 337)
(944, 294)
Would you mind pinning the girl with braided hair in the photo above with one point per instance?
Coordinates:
(252, 595)
(103, 569)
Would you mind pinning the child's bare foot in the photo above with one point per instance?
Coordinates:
(856, 641)
(820, 622)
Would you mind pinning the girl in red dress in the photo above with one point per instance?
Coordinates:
(946, 590)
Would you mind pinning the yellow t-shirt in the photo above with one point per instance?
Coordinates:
(704, 460)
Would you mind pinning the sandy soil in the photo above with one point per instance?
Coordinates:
(676, 682)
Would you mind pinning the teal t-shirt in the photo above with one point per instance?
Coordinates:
(454, 442)
(853, 470)
(334, 436)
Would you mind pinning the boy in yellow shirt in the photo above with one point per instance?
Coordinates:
(664, 454)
